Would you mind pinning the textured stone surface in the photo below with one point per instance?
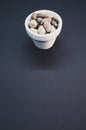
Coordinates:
(41, 30)
(43, 23)
(32, 23)
(47, 26)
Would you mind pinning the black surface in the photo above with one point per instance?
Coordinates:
(42, 90)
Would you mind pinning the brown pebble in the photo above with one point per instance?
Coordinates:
(47, 26)
(46, 20)
(43, 15)
(34, 16)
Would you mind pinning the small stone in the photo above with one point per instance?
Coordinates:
(33, 30)
(43, 15)
(47, 26)
(34, 16)
(55, 19)
(46, 20)
(41, 30)
(39, 19)
(33, 24)
(52, 29)
(43, 23)
(54, 23)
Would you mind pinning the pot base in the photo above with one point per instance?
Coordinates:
(44, 44)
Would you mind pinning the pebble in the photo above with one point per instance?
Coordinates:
(47, 26)
(33, 24)
(43, 15)
(41, 30)
(46, 20)
(43, 23)
(34, 15)
(39, 19)
(53, 29)
(55, 19)
(34, 30)
(54, 23)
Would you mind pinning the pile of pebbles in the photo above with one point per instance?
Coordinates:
(43, 23)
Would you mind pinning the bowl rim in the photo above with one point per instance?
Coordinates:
(43, 35)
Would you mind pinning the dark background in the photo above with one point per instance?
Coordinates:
(42, 90)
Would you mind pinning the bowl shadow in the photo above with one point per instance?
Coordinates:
(37, 59)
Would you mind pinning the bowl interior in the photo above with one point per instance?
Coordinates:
(47, 36)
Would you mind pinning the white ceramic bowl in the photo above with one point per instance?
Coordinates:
(44, 41)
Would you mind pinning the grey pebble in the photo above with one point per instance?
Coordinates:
(39, 19)
(54, 23)
(55, 19)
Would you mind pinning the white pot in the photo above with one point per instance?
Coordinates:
(44, 41)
